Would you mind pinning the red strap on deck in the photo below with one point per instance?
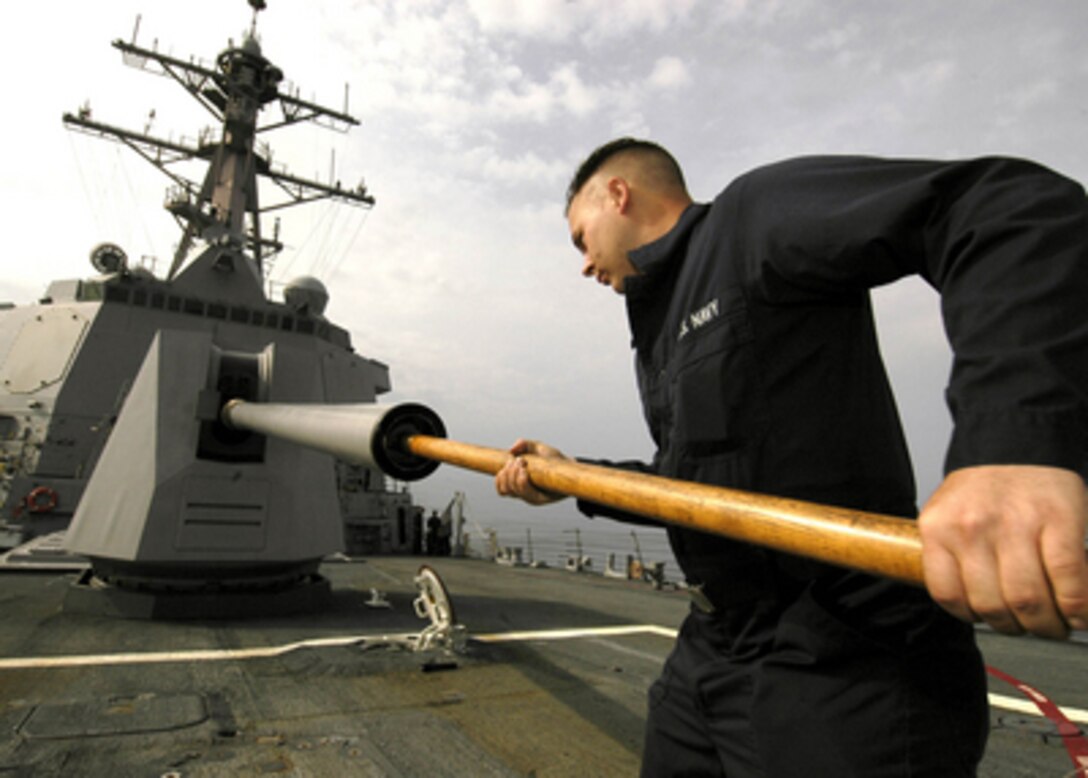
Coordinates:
(1072, 737)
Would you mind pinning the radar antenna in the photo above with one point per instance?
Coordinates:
(257, 6)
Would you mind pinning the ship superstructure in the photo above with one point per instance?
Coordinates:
(109, 384)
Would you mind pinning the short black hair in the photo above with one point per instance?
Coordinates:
(604, 153)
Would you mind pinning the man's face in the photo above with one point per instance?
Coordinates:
(602, 234)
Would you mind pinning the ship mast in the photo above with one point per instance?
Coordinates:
(224, 209)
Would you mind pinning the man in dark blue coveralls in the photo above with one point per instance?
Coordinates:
(758, 368)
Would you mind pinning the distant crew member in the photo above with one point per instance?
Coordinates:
(434, 529)
(444, 532)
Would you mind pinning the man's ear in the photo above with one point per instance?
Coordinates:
(619, 193)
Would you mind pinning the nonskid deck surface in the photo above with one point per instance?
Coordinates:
(552, 682)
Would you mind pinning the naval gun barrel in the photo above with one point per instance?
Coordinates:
(408, 441)
(360, 433)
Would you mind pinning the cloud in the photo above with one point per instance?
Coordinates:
(758, 12)
(559, 20)
(447, 74)
(563, 92)
(575, 96)
(516, 170)
(669, 73)
(836, 38)
(927, 77)
(842, 43)
(550, 19)
(1031, 95)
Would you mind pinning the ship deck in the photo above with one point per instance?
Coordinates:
(552, 682)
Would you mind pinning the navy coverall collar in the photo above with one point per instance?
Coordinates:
(652, 257)
(656, 262)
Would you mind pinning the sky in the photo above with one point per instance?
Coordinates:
(474, 114)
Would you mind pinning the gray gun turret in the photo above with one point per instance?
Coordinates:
(107, 383)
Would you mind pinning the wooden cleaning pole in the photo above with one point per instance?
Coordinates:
(873, 543)
(406, 442)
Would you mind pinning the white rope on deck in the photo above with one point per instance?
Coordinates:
(1002, 701)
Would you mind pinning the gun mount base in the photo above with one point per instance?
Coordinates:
(91, 595)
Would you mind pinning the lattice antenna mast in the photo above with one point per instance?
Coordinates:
(224, 208)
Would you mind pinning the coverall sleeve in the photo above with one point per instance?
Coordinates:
(591, 509)
(1004, 242)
